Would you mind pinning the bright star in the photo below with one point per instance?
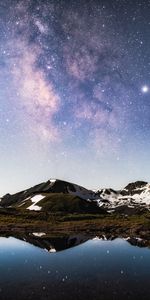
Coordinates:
(145, 89)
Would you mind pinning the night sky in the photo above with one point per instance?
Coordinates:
(74, 92)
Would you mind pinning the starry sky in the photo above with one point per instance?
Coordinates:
(74, 92)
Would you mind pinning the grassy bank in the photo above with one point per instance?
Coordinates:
(25, 220)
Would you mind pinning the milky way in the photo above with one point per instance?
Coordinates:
(74, 90)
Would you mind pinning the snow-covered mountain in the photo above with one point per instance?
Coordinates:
(135, 196)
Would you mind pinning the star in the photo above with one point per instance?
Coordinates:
(73, 87)
(145, 89)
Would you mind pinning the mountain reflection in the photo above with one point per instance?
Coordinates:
(54, 244)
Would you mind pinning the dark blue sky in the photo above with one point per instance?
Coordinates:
(74, 92)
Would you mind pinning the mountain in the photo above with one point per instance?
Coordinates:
(58, 195)
(54, 195)
(135, 196)
(54, 243)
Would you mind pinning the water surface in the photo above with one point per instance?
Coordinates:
(95, 269)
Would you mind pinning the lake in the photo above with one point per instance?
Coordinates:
(95, 269)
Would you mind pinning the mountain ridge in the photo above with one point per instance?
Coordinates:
(132, 196)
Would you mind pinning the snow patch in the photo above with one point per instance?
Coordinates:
(39, 234)
(34, 207)
(52, 250)
(35, 200)
(53, 180)
(96, 239)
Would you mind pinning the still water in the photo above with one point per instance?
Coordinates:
(95, 269)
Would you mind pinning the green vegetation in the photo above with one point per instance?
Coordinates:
(64, 214)
(22, 220)
(60, 202)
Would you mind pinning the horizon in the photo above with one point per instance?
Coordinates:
(74, 92)
(62, 179)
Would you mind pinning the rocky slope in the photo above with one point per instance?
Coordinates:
(61, 195)
(135, 195)
(54, 195)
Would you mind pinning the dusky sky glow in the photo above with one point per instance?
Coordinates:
(74, 92)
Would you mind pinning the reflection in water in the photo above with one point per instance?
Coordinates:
(59, 243)
(52, 244)
(95, 269)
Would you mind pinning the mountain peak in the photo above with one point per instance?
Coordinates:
(135, 195)
(134, 187)
(52, 186)
(136, 184)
